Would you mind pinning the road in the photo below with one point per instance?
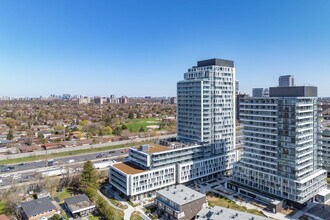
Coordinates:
(28, 171)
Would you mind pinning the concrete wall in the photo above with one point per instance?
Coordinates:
(83, 147)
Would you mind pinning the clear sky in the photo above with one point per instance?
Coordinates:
(143, 47)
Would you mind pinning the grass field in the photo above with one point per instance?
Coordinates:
(2, 208)
(93, 217)
(118, 204)
(134, 125)
(328, 180)
(136, 216)
(218, 200)
(63, 195)
(64, 154)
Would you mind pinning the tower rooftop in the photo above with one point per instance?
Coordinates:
(215, 62)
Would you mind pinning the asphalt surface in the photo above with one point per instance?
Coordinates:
(28, 171)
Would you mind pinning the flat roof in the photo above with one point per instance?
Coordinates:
(218, 212)
(324, 192)
(215, 62)
(128, 168)
(293, 91)
(180, 194)
(154, 148)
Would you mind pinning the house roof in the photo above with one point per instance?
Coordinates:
(78, 202)
(37, 207)
(4, 217)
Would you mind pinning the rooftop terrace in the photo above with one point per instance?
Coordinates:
(155, 148)
(128, 168)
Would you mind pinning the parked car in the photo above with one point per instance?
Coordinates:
(5, 170)
(70, 161)
(100, 155)
(5, 175)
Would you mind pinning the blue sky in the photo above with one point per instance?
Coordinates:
(143, 47)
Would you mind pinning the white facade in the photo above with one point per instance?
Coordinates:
(280, 147)
(139, 183)
(206, 105)
(205, 130)
(201, 168)
(324, 150)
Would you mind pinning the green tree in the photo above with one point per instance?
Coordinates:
(130, 115)
(10, 122)
(107, 121)
(41, 138)
(55, 217)
(58, 129)
(117, 131)
(108, 130)
(83, 124)
(89, 176)
(10, 135)
(28, 142)
(123, 127)
(142, 129)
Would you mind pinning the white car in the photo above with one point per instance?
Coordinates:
(17, 176)
(5, 175)
(70, 161)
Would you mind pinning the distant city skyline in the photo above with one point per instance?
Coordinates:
(141, 48)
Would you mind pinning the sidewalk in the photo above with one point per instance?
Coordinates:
(107, 199)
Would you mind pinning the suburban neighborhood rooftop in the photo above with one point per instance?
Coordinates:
(37, 206)
(78, 202)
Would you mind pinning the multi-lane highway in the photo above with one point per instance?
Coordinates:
(25, 172)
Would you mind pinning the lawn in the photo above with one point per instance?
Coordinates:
(328, 180)
(65, 154)
(132, 204)
(63, 195)
(2, 208)
(218, 200)
(136, 216)
(93, 217)
(118, 204)
(134, 125)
